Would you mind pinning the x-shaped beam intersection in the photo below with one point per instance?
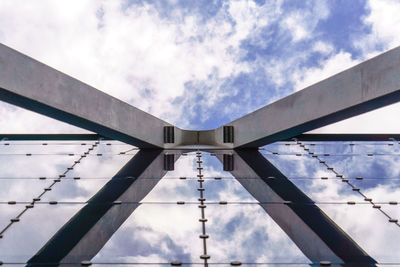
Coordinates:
(32, 85)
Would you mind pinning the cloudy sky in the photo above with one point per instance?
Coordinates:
(197, 64)
(200, 64)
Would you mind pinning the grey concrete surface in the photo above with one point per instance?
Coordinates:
(314, 233)
(370, 85)
(30, 84)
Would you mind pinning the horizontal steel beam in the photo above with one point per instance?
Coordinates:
(52, 137)
(32, 85)
(370, 85)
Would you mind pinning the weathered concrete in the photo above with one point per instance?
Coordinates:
(370, 85)
(30, 84)
(316, 235)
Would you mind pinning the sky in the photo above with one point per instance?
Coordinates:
(198, 65)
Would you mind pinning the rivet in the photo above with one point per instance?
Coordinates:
(203, 236)
(77, 178)
(117, 202)
(370, 154)
(345, 180)
(86, 263)
(217, 178)
(180, 202)
(99, 154)
(36, 199)
(200, 189)
(322, 161)
(44, 144)
(199, 161)
(204, 257)
(330, 168)
(108, 144)
(351, 202)
(53, 202)
(203, 220)
(77, 161)
(182, 178)
(298, 155)
(42, 178)
(223, 202)
(200, 180)
(61, 175)
(314, 156)
(47, 189)
(392, 202)
(15, 220)
(326, 154)
(202, 199)
(199, 168)
(29, 154)
(202, 206)
(339, 175)
(57, 180)
(176, 263)
(29, 206)
(236, 263)
(287, 202)
(70, 154)
(200, 175)
(368, 199)
(324, 178)
(376, 206)
(275, 153)
(393, 220)
(359, 178)
(356, 189)
(70, 168)
(122, 153)
(12, 202)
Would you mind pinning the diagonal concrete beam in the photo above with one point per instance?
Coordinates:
(32, 85)
(314, 233)
(370, 85)
(85, 234)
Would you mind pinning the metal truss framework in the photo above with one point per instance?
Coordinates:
(32, 85)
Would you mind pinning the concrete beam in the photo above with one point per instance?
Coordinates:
(314, 233)
(370, 85)
(83, 236)
(32, 85)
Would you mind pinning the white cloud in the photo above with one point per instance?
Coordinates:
(383, 19)
(301, 23)
(133, 54)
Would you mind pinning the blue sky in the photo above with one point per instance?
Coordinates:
(197, 64)
(200, 64)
